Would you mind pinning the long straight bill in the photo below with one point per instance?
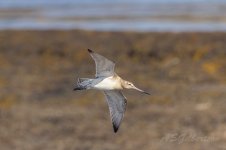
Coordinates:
(142, 91)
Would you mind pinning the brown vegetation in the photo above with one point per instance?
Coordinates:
(185, 72)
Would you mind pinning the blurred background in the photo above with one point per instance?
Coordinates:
(118, 15)
(175, 49)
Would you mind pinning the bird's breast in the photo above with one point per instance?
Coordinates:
(109, 83)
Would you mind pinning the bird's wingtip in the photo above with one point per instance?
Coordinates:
(115, 128)
(90, 51)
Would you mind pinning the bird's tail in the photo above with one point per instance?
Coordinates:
(83, 84)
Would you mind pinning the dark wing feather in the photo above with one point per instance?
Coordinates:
(117, 106)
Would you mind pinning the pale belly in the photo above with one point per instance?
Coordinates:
(108, 84)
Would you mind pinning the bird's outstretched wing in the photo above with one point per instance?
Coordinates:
(117, 106)
(104, 67)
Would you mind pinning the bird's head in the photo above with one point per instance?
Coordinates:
(130, 85)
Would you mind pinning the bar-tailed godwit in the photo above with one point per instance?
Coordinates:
(111, 84)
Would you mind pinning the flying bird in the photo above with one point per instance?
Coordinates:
(111, 84)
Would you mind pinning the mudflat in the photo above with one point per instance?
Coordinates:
(184, 72)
